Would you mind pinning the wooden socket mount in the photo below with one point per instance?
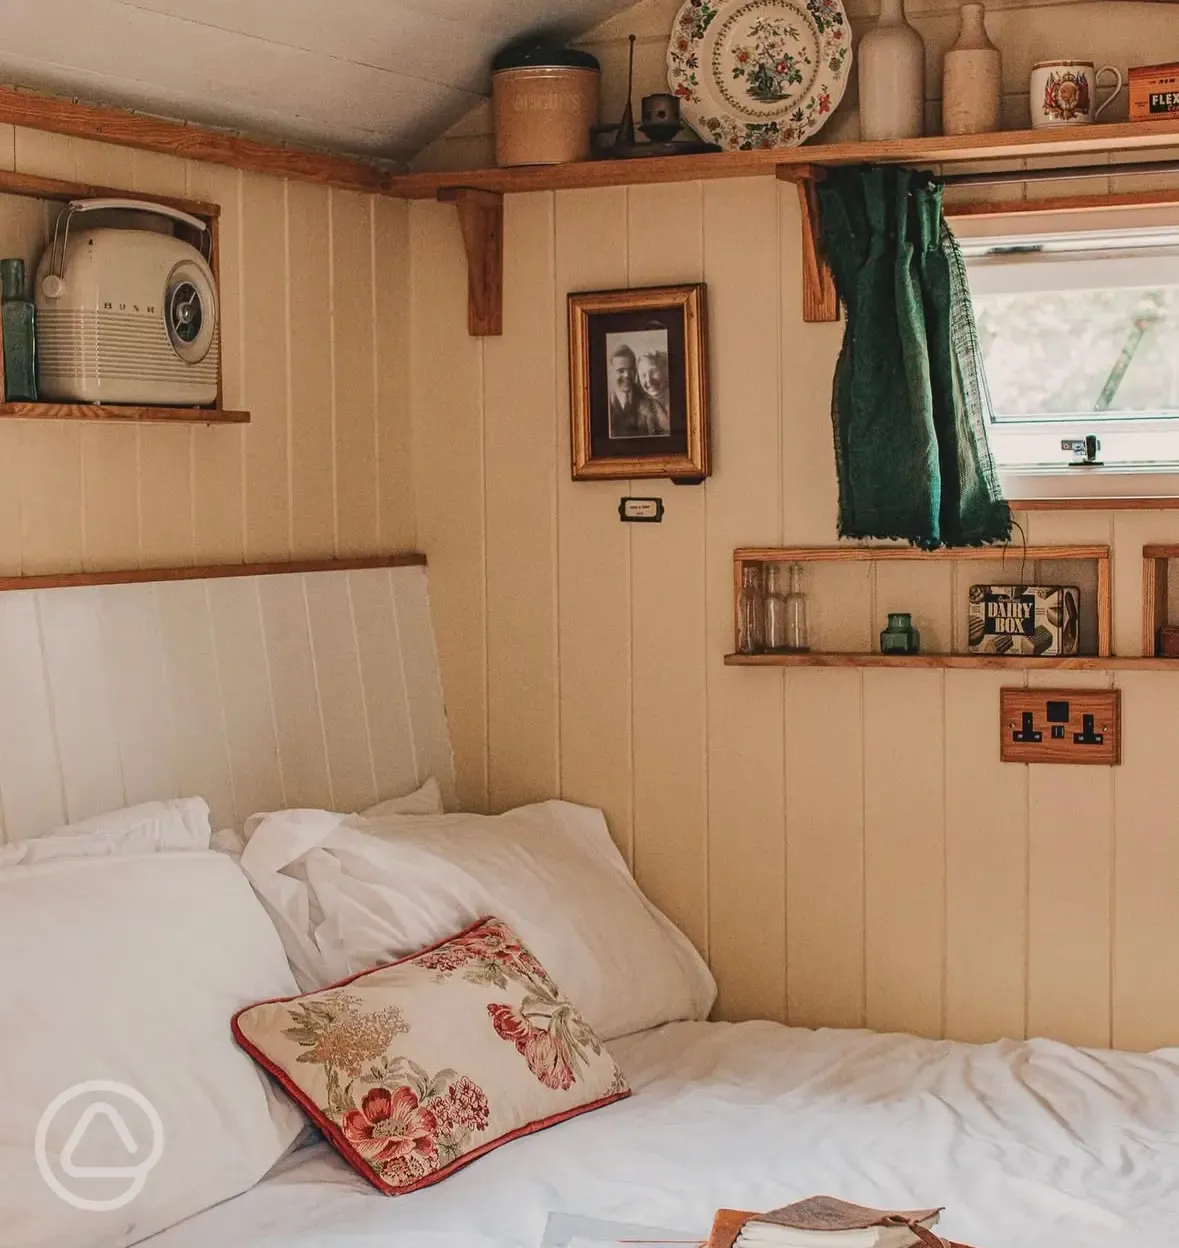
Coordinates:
(1081, 726)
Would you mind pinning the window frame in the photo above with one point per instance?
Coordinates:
(1155, 478)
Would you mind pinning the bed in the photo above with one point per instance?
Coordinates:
(321, 687)
(1029, 1145)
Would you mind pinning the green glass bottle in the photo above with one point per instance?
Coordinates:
(900, 637)
(20, 341)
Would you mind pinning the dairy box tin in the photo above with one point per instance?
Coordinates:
(1037, 620)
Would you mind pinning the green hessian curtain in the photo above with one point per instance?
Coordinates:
(910, 403)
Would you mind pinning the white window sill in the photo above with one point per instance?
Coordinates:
(1117, 485)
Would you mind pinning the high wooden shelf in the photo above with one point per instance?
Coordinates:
(798, 162)
(1018, 556)
(47, 410)
(479, 192)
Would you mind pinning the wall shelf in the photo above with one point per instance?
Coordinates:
(804, 166)
(115, 412)
(34, 186)
(1156, 561)
(1017, 556)
(985, 662)
(797, 162)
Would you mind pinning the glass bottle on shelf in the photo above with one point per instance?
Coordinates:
(17, 313)
(776, 620)
(797, 638)
(750, 611)
(900, 637)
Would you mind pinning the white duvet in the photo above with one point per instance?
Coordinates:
(1032, 1145)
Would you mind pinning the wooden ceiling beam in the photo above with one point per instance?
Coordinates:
(189, 142)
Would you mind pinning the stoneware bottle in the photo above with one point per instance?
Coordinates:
(972, 78)
(892, 77)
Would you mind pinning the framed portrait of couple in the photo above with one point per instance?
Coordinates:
(638, 362)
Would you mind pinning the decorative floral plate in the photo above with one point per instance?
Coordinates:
(759, 73)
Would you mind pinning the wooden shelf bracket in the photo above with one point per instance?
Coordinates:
(820, 304)
(481, 216)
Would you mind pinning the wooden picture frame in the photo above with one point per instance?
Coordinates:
(638, 379)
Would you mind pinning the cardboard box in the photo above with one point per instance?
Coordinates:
(1154, 92)
(1025, 619)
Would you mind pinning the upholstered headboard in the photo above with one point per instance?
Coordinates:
(254, 687)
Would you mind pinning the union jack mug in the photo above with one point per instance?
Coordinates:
(1064, 93)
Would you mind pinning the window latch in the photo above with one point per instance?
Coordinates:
(1084, 451)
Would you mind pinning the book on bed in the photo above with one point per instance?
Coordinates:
(825, 1222)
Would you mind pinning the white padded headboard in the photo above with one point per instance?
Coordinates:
(255, 689)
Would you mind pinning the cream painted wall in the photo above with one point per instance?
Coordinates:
(844, 846)
(314, 340)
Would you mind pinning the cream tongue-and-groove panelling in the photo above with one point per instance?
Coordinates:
(257, 693)
(844, 846)
(1123, 34)
(313, 287)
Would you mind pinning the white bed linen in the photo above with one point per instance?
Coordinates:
(1032, 1145)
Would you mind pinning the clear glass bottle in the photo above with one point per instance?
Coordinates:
(797, 638)
(751, 637)
(775, 637)
(20, 344)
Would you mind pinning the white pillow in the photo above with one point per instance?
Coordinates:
(129, 969)
(347, 893)
(424, 801)
(182, 823)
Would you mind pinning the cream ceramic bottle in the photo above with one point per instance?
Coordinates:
(891, 61)
(972, 78)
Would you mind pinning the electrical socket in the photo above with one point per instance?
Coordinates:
(1082, 726)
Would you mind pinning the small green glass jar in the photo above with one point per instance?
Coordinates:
(20, 344)
(900, 637)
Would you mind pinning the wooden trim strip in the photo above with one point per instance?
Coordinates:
(1065, 203)
(210, 572)
(1160, 551)
(54, 188)
(191, 142)
(1094, 504)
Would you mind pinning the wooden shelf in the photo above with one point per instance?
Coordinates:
(110, 411)
(1156, 561)
(987, 662)
(884, 554)
(802, 165)
(1016, 556)
(1098, 140)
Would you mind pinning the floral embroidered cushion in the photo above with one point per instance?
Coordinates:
(417, 1068)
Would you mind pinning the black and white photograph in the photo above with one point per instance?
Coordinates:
(640, 398)
(639, 383)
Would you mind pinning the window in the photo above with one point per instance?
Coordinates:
(1078, 318)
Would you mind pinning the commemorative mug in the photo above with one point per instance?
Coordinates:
(1064, 93)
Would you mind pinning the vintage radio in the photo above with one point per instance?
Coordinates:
(126, 315)
(1025, 619)
(1154, 91)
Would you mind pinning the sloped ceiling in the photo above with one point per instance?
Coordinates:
(379, 77)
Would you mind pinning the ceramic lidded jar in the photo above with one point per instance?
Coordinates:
(891, 60)
(972, 76)
(545, 101)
